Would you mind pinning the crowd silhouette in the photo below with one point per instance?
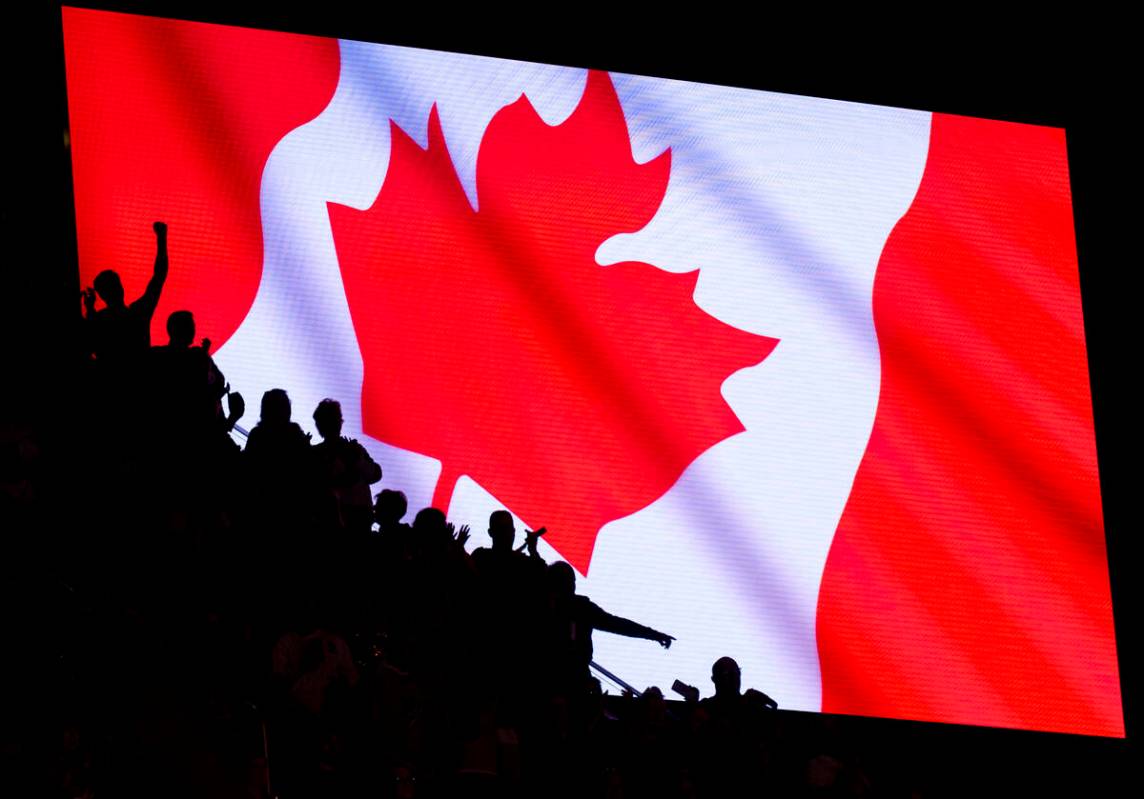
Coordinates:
(255, 616)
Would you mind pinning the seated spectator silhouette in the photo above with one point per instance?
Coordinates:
(572, 620)
(344, 472)
(119, 335)
(315, 679)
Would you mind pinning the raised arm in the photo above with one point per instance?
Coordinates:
(87, 322)
(88, 295)
(150, 298)
(532, 541)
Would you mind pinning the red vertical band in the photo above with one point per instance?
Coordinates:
(968, 579)
(174, 121)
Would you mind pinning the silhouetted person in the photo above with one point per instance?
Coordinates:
(308, 658)
(655, 747)
(314, 680)
(344, 471)
(511, 586)
(275, 433)
(121, 333)
(436, 586)
(727, 678)
(501, 556)
(394, 537)
(277, 456)
(191, 460)
(571, 623)
(389, 508)
(734, 732)
(510, 578)
(190, 386)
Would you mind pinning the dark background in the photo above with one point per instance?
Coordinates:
(1027, 72)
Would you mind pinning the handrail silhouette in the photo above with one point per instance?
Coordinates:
(613, 678)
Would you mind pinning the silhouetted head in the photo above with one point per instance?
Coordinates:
(725, 675)
(561, 580)
(275, 407)
(181, 329)
(431, 533)
(653, 706)
(109, 288)
(389, 507)
(429, 524)
(501, 529)
(328, 418)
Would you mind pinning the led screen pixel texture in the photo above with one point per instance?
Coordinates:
(793, 380)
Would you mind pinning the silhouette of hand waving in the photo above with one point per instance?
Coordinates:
(460, 535)
(463, 535)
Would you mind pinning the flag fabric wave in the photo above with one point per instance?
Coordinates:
(970, 559)
(900, 513)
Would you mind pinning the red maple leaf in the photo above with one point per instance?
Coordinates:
(492, 340)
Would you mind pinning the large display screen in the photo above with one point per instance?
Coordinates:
(794, 380)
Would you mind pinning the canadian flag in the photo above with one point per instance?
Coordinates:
(794, 380)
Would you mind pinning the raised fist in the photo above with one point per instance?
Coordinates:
(236, 404)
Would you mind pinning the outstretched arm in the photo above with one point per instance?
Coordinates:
(620, 626)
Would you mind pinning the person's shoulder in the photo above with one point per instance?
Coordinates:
(355, 445)
(582, 603)
(140, 305)
(484, 558)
